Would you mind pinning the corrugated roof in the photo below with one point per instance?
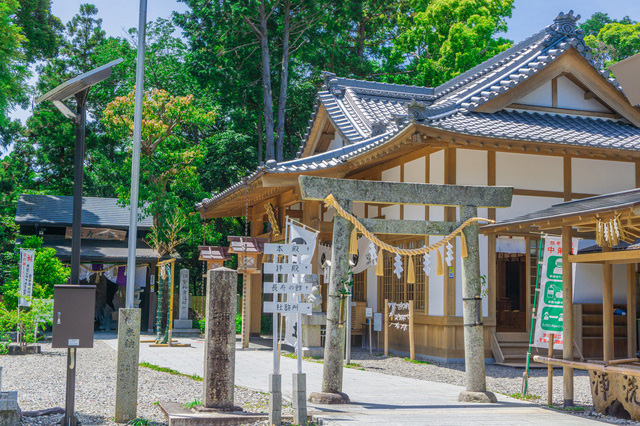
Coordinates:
(57, 210)
(613, 201)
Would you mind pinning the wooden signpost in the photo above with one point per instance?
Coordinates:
(287, 280)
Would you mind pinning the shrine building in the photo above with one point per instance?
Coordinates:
(541, 117)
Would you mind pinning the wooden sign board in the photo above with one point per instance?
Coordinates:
(287, 308)
(98, 234)
(288, 249)
(288, 288)
(287, 268)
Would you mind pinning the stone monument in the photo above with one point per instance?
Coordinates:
(220, 341)
(127, 364)
(183, 326)
(312, 324)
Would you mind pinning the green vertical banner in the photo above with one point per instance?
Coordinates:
(550, 316)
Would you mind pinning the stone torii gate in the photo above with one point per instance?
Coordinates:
(467, 199)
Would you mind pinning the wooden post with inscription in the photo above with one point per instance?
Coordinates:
(220, 340)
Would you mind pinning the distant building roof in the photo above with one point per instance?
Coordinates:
(57, 210)
(102, 251)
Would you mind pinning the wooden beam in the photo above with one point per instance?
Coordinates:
(607, 257)
(567, 315)
(607, 309)
(408, 227)
(554, 92)
(566, 169)
(632, 333)
(316, 188)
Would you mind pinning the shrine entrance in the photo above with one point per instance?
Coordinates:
(340, 194)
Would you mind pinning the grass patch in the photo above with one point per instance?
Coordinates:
(305, 358)
(415, 361)
(354, 366)
(568, 409)
(527, 397)
(169, 371)
(192, 403)
(140, 422)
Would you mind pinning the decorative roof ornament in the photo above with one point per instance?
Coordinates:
(563, 26)
(378, 128)
(327, 77)
(417, 111)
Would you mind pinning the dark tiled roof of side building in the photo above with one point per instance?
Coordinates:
(57, 210)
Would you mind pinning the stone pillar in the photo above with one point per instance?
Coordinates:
(220, 340)
(475, 382)
(183, 320)
(312, 324)
(127, 365)
(335, 335)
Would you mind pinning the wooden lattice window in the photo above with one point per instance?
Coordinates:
(360, 287)
(397, 289)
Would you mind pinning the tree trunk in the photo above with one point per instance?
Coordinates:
(282, 100)
(260, 141)
(266, 83)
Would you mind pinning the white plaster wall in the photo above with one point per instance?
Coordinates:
(436, 284)
(414, 171)
(373, 211)
(526, 171)
(372, 289)
(588, 284)
(328, 215)
(539, 97)
(391, 212)
(391, 175)
(358, 209)
(600, 176)
(436, 167)
(571, 96)
(335, 143)
(522, 204)
(414, 212)
(471, 167)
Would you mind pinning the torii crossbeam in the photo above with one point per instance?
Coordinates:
(467, 199)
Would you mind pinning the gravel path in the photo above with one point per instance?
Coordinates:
(40, 381)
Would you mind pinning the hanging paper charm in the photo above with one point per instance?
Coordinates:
(398, 266)
(449, 257)
(372, 252)
(426, 267)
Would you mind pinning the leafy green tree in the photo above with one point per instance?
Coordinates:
(85, 34)
(448, 37)
(48, 271)
(610, 39)
(13, 65)
(40, 28)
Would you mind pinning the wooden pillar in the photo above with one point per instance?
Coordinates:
(607, 310)
(386, 327)
(491, 246)
(632, 333)
(567, 315)
(412, 331)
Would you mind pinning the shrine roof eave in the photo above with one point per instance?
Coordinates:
(581, 214)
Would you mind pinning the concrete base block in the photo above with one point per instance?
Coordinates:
(481, 397)
(299, 398)
(9, 411)
(182, 323)
(177, 415)
(186, 332)
(275, 399)
(24, 350)
(329, 398)
(313, 352)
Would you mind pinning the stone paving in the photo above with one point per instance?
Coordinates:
(376, 398)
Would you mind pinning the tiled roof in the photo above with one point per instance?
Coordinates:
(58, 210)
(104, 251)
(368, 114)
(539, 127)
(616, 200)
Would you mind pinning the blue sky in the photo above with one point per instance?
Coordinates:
(529, 16)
